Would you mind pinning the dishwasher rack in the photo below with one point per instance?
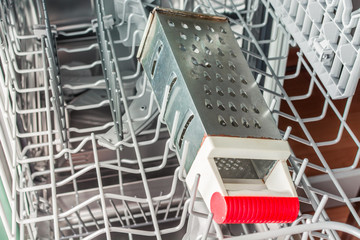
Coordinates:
(67, 173)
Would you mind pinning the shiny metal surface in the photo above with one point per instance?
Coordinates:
(211, 88)
(235, 168)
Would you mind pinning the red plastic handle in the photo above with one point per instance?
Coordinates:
(253, 209)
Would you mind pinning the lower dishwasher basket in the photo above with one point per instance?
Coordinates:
(84, 150)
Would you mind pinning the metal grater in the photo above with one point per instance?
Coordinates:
(210, 83)
(212, 104)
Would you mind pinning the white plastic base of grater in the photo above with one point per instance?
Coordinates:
(277, 183)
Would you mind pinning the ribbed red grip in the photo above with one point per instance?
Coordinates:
(253, 209)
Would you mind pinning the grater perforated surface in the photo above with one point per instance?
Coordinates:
(243, 168)
(217, 76)
(211, 91)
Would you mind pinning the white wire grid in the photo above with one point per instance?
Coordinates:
(61, 184)
(328, 34)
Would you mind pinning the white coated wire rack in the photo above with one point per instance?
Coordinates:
(65, 173)
(328, 34)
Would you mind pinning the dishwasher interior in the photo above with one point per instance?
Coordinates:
(85, 152)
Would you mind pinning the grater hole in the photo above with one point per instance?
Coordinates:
(207, 51)
(232, 53)
(220, 52)
(211, 29)
(219, 91)
(183, 36)
(207, 64)
(221, 120)
(209, 38)
(243, 93)
(172, 83)
(207, 76)
(220, 105)
(207, 89)
(219, 65)
(182, 47)
(195, 49)
(208, 104)
(244, 108)
(233, 121)
(231, 92)
(155, 60)
(194, 75)
(219, 77)
(194, 61)
(184, 25)
(232, 106)
(222, 30)
(196, 37)
(184, 130)
(171, 23)
(153, 68)
(221, 40)
(245, 123)
(257, 124)
(197, 27)
(231, 78)
(255, 109)
(231, 65)
(243, 80)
